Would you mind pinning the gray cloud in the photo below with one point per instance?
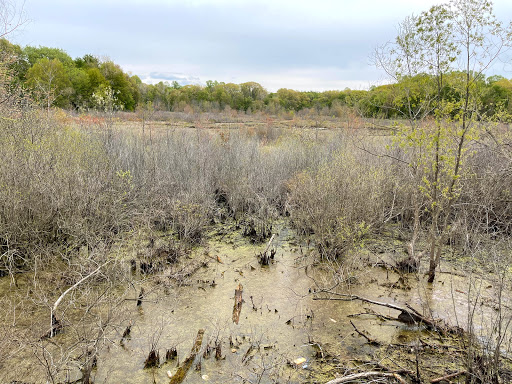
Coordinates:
(168, 76)
(224, 40)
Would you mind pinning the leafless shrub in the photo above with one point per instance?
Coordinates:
(342, 202)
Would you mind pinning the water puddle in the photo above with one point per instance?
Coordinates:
(261, 324)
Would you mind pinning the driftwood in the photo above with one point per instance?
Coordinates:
(237, 307)
(182, 371)
(448, 377)
(366, 375)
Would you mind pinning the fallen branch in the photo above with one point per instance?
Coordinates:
(368, 339)
(448, 377)
(407, 315)
(378, 315)
(53, 319)
(366, 375)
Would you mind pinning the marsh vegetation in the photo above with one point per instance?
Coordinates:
(263, 244)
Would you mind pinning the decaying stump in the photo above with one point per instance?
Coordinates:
(179, 376)
(408, 265)
(171, 354)
(140, 298)
(55, 329)
(146, 267)
(237, 307)
(218, 350)
(412, 262)
(153, 359)
(55, 325)
(126, 332)
(265, 257)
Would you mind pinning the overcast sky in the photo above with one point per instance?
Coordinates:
(303, 45)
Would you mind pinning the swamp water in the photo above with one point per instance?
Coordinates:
(282, 335)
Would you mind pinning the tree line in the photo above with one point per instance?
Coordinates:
(54, 79)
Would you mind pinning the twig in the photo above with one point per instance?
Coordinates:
(370, 341)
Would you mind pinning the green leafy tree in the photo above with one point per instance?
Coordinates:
(253, 95)
(34, 54)
(126, 89)
(291, 100)
(497, 98)
(13, 67)
(87, 61)
(460, 40)
(49, 81)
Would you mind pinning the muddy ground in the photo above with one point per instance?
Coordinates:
(262, 324)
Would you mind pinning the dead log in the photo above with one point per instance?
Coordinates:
(180, 375)
(237, 307)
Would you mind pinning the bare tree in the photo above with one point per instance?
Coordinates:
(12, 16)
